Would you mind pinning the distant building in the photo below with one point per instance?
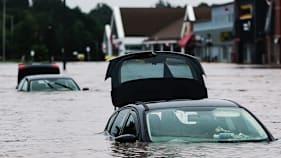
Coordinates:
(213, 30)
(257, 31)
(273, 33)
(141, 29)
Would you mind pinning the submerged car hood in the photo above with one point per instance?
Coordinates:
(153, 76)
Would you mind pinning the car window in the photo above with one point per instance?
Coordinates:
(109, 123)
(204, 125)
(119, 122)
(39, 85)
(130, 126)
(68, 84)
(157, 67)
(24, 86)
(179, 68)
(53, 84)
(19, 87)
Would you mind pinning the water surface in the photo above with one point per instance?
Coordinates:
(69, 124)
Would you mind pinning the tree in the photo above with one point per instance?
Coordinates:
(102, 13)
(17, 4)
(203, 5)
(24, 33)
(48, 26)
(163, 4)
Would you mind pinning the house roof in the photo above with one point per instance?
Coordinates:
(170, 32)
(223, 4)
(151, 21)
(202, 13)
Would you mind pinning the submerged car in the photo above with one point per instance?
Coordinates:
(162, 97)
(51, 82)
(36, 69)
(205, 120)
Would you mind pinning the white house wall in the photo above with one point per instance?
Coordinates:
(118, 22)
(134, 40)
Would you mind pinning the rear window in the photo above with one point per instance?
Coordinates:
(156, 67)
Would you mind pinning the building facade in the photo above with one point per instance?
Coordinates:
(250, 35)
(148, 29)
(273, 32)
(214, 35)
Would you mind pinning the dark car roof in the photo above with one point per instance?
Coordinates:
(36, 68)
(188, 103)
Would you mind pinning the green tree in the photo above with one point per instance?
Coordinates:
(24, 33)
(203, 5)
(163, 4)
(102, 13)
(47, 26)
(17, 4)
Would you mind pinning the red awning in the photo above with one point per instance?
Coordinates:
(185, 39)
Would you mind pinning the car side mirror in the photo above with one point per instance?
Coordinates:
(85, 89)
(126, 138)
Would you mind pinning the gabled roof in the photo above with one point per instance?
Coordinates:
(148, 21)
(170, 32)
(203, 13)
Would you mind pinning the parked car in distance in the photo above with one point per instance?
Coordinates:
(204, 120)
(162, 97)
(36, 69)
(51, 82)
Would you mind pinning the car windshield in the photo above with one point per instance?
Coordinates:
(156, 67)
(53, 84)
(203, 125)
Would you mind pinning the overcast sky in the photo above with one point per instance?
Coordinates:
(87, 5)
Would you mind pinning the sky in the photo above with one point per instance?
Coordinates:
(87, 5)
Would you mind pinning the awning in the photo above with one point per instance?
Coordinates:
(186, 39)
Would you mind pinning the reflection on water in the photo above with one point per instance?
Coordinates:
(69, 124)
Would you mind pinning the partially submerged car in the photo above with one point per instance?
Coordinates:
(162, 97)
(204, 120)
(51, 82)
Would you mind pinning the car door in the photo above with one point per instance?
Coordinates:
(131, 125)
(123, 122)
(116, 122)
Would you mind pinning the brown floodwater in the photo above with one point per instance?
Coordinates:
(70, 124)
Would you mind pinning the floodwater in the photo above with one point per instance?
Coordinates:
(70, 124)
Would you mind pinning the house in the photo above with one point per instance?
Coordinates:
(213, 31)
(141, 29)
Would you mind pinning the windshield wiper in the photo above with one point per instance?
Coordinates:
(50, 85)
(239, 141)
(64, 86)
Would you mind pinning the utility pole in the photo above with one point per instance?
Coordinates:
(277, 34)
(63, 41)
(4, 32)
